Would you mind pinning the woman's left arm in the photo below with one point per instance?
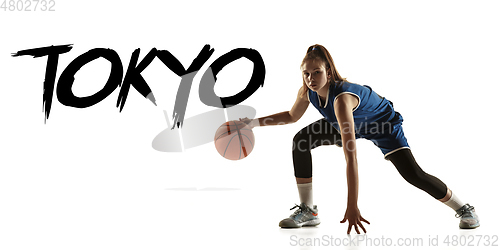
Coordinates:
(344, 106)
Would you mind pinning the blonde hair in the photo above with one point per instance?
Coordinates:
(318, 52)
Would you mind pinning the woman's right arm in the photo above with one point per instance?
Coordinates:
(286, 117)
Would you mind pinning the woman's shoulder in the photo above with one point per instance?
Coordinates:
(348, 87)
(303, 94)
(342, 86)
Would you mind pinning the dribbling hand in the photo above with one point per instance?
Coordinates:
(247, 121)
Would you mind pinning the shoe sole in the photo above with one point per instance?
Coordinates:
(309, 223)
(469, 227)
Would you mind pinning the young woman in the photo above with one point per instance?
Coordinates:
(350, 111)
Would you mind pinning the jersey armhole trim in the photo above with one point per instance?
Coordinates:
(357, 96)
(326, 99)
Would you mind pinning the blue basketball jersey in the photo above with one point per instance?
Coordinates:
(373, 116)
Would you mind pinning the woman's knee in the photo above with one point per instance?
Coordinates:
(406, 165)
(415, 177)
(302, 142)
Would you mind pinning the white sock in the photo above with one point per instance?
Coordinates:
(454, 202)
(306, 194)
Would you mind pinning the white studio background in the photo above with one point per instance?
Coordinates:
(89, 178)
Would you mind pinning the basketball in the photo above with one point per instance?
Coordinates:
(234, 140)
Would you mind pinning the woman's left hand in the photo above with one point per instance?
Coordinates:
(354, 217)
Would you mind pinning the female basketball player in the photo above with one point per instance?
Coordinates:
(350, 111)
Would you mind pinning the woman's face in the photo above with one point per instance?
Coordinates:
(315, 75)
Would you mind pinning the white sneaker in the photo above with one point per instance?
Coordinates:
(468, 217)
(303, 216)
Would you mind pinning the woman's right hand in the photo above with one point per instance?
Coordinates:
(248, 121)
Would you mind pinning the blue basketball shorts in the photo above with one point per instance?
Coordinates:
(390, 141)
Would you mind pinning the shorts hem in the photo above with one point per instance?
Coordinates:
(395, 150)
